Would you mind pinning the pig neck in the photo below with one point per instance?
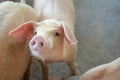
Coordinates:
(69, 51)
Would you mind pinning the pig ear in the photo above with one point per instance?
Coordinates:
(24, 31)
(69, 35)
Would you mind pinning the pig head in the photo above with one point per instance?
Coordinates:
(49, 40)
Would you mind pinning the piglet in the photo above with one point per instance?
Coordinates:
(109, 71)
(52, 39)
(14, 55)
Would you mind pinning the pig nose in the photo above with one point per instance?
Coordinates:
(38, 43)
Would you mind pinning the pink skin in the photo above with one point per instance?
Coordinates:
(109, 71)
(53, 48)
(51, 44)
(14, 55)
(37, 44)
(47, 40)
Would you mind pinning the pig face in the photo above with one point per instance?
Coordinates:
(46, 39)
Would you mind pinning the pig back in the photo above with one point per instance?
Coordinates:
(62, 10)
(14, 55)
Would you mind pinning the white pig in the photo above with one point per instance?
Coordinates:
(52, 39)
(109, 71)
(14, 55)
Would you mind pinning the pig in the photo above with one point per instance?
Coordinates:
(109, 71)
(52, 39)
(14, 55)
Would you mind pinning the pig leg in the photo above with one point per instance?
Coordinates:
(73, 69)
(45, 70)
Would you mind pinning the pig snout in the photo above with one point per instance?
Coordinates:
(37, 43)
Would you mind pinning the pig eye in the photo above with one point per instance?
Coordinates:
(57, 34)
(35, 33)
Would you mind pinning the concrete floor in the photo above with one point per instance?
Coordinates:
(98, 32)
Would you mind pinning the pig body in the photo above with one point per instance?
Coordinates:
(51, 39)
(14, 55)
(61, 10)
(110, 71)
